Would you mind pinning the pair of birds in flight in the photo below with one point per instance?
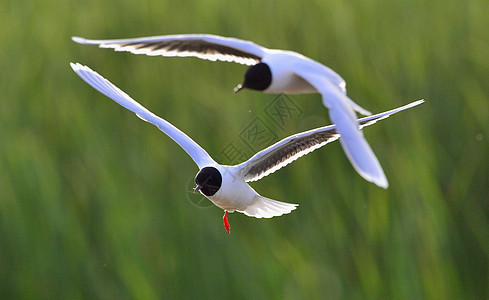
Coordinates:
(270, 71)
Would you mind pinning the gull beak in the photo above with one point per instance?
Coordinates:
(197, 188)
(238, 88)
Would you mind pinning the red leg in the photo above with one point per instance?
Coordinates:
(226, 222)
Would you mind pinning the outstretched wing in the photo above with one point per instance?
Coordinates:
(291, 148)
(104, 86)
(341, 112)
(204, 46)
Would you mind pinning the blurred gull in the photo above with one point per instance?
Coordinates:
(271, 71)
(226, 186)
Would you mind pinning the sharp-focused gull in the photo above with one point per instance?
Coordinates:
(226, 186)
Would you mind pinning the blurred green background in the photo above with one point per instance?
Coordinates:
(95, 203)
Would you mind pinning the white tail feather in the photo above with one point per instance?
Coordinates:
(263, 207)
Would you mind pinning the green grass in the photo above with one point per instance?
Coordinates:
(93, 201)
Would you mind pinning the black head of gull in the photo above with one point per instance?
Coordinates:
(257, 77)
(208, 180)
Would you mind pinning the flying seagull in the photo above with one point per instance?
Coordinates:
(270, 71)
(224, 185)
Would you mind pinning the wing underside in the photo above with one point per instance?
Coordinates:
(197, 153)
(204, 46)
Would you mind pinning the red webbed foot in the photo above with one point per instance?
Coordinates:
(226, 222)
